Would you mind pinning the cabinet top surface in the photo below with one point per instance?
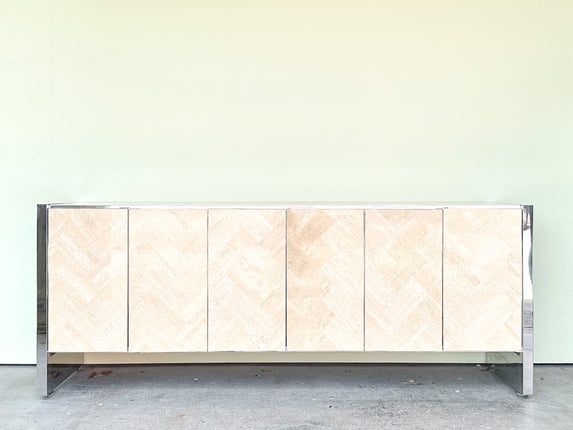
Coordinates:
(283, 205)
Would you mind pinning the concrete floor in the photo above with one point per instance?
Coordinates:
(287, 397)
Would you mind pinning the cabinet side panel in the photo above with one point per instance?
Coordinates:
(246, 280)
(87, 280)
(403, 280)
(325, 280)
(167, 280)
(482, 279)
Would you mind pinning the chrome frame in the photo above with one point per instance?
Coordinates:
(516, 368)
(281, 205)
(49, 375)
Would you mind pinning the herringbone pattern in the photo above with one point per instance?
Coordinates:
(167, 280)
(403, 280)
(87, 292)
(482, 279)
(325, 280)
(246, 280)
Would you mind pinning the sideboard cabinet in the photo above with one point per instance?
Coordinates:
(205, 278)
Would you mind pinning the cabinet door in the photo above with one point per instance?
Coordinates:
(246, 280)
(325, 280)
(403, 287)
(482, 279)
(87, 280)
(167, 280)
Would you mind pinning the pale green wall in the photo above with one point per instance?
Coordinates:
(282, 100)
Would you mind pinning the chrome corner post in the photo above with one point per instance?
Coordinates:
(516, 368)
(527, 307)
(49, 376)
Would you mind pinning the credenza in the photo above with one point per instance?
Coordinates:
(285, 277)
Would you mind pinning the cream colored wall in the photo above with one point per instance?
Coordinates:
(287, 100)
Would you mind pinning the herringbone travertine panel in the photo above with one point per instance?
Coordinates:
(482, 279)
(403, 280)
(325, 280)
(87, 280)
(246, 280)
(167, 280)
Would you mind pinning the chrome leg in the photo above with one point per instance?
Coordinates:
(517, 367)
(49, 376)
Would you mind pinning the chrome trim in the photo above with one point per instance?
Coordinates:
(527, 318)
(516, 368)
(364, 280)
(285, 280)
(127, 283)
(41, 300)
(282, 205)
(442, 275)
(207, 213)
(48, 376)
